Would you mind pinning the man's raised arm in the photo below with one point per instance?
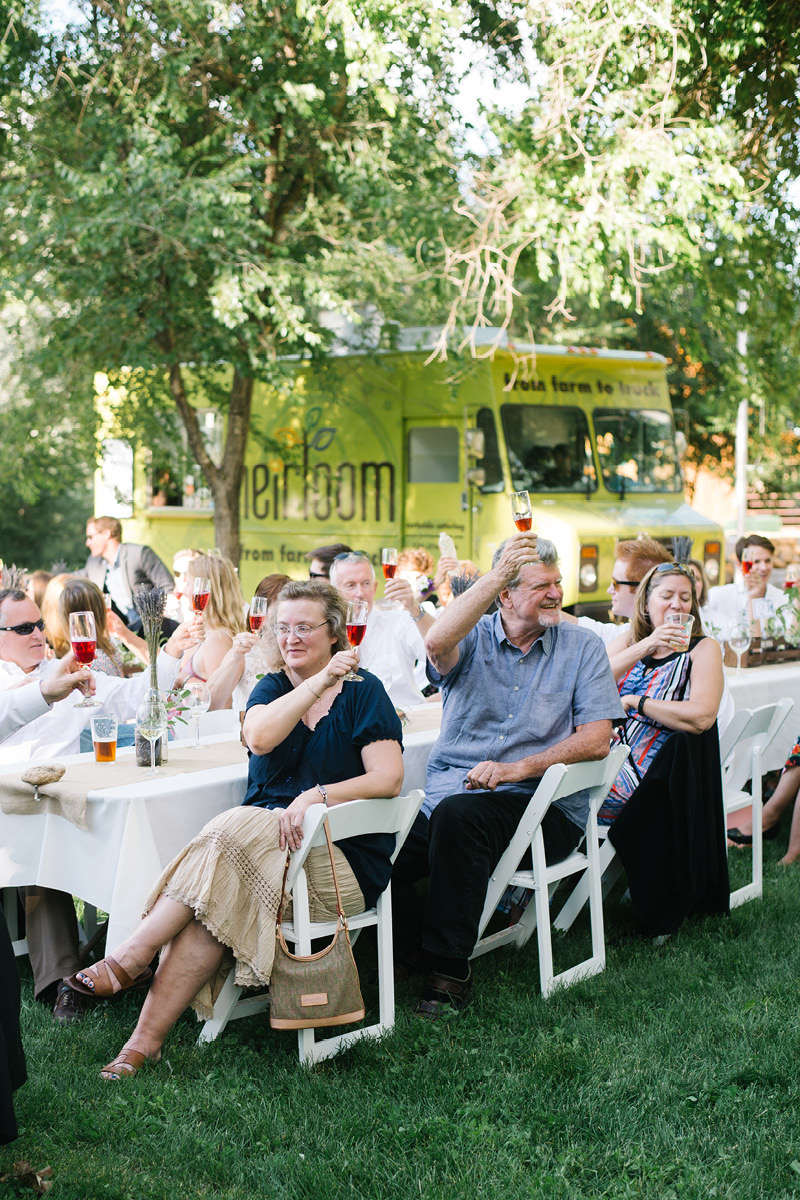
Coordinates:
(464, 612)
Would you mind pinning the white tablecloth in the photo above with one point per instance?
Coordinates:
(133, 833)
(764, 685)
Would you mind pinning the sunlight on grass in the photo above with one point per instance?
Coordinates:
(671, 1075)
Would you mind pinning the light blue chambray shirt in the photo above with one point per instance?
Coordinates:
(502, 705)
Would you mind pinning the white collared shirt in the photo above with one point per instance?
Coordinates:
(58, 730)
(393, 639)
(728, 603)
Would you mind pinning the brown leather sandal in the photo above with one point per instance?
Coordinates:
(127, 1064)
(89, 985)
(443, 992)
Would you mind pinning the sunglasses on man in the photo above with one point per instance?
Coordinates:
(23, 630)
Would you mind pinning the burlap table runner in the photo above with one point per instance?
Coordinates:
(422, 719)
(67, 798)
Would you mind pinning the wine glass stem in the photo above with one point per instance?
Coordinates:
(738, 662)
(152, 754)
(197, 729)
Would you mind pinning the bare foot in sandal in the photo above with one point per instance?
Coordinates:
(127, 1064)
(106, 978)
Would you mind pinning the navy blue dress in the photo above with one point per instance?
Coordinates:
(362, 713)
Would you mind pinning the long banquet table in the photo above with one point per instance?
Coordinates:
(133, 832)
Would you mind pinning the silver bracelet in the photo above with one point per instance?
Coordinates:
(421, 614)
(323, 791)
(313, 693)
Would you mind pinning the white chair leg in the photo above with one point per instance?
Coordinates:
(754, 889)
(385, 959)
(223, 1010)
(610, 868)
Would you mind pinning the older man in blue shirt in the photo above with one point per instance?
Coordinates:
(521, 691)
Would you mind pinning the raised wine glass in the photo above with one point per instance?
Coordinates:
(389, 564)
(151, 723)
(357, 612)
(521, 511)
(197, 702)
(258, 613)
(739, 641)
(83, 636)
(201, 590)
(748, 554)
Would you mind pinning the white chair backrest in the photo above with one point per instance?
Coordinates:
(762, 726)
(354, 819)
(731, 735)
(561, 780)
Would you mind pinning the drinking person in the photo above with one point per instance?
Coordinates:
(313, 739)
(223, 618)
(394, 635)
(751, 596)
(521, 691)
(662, 688)
(52, 929)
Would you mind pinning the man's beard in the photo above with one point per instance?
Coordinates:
(550, 616)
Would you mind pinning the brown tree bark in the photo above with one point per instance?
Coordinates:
(225, 478)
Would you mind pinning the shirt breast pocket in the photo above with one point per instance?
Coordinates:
(549, 716)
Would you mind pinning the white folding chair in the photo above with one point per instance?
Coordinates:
(744, 751)
(558, 781)
(353, 819)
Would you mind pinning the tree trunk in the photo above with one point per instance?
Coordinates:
(225, 479)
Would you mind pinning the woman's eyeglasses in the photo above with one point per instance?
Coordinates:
(301, 631)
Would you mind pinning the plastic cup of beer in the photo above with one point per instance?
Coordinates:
(104, 739)
(683, 629)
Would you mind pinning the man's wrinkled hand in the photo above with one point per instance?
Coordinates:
(519, 551)
(399, 591)
(487, 775)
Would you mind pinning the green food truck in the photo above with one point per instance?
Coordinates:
(388, 449)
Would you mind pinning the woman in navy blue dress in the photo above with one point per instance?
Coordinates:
(313, 738)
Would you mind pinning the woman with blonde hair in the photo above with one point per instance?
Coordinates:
(57, 639)
(250, 655)
(223, 618)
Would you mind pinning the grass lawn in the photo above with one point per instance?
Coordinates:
(673, 1074)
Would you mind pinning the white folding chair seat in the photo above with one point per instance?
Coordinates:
(557, 782)
(742, 751)
(356, 818)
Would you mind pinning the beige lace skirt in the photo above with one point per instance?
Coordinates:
(230, 875)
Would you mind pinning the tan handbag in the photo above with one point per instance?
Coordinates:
(315, 989)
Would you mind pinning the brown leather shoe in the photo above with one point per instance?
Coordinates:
(70, 1006)
(443, 992)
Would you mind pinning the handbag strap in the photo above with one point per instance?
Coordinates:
(339, 908)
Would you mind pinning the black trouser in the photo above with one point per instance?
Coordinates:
(459, 847)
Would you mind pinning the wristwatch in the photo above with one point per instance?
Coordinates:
(323, 791)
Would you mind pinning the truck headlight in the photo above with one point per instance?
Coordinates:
(587, 574)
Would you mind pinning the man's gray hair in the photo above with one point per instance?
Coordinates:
(546, 553)
(347, 560)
